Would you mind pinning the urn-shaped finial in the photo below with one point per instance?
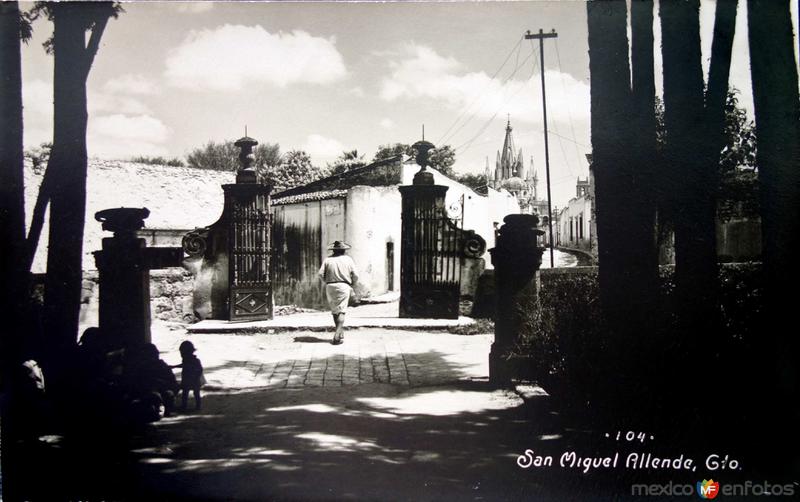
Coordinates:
(423, 176)
(246, 173)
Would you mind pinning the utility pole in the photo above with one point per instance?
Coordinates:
(540, 37)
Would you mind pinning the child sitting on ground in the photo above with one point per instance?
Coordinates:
(150, 381)
(191, 374)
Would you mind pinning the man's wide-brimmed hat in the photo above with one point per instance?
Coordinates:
(339, 245)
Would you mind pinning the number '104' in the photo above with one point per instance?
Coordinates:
(632, 436)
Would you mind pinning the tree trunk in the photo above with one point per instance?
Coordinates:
(13, 291)
(610, 121)
(777, 114)
(12, 192)
(690, 181)
(643, 267)
(712, 342)
(67, 166)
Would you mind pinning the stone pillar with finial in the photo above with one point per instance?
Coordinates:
(429, 271)
(231, 257)
(124, 265)
(517, 258)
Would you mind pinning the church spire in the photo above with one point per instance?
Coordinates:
(507, 159)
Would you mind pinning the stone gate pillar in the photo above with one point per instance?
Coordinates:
(516, 259)
(231, 257)
(124, 266)
(430, 250)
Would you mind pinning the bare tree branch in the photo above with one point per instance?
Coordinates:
(37, 220)
(94, 41)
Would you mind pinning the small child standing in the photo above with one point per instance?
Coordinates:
(191, 374)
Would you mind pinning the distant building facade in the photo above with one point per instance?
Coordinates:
(576, 226)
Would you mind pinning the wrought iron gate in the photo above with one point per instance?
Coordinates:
(430, 266)
(433, 247)
(249, 260)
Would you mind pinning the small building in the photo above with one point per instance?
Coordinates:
(575, 223)
(363, 208)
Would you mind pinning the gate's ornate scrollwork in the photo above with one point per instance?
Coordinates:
(195, 243)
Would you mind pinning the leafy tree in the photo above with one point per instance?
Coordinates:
(295, 169)
(224, 156)
(738, 188)
(393, 150)
(441, 158)
(737, 194)
(286, 171)
(477, 182)
(345, 162)
(158, 161)
(39, 156)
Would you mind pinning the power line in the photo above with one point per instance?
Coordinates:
(509, 77)
(569, 108)
(561, 146)
(467, 144)
(516, 47)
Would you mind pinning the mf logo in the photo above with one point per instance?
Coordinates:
(707, 489)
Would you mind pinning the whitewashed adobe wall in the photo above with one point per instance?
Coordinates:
(576, 207)
(177, 197)
(480, 212)
(372, 221)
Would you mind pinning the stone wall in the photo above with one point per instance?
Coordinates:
(170, 295)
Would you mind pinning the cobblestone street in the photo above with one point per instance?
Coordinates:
(307, 359)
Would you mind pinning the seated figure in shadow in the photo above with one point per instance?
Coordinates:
(150, 383)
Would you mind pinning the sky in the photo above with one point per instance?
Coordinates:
(329, 77)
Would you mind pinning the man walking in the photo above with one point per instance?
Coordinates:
(338, 271)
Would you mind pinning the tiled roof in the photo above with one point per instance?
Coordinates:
(384, 172)
(309, 197)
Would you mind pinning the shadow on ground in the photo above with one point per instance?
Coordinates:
(451, 441)
(372, 441)
(311, 339)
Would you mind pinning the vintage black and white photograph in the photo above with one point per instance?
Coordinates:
(432, 250)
